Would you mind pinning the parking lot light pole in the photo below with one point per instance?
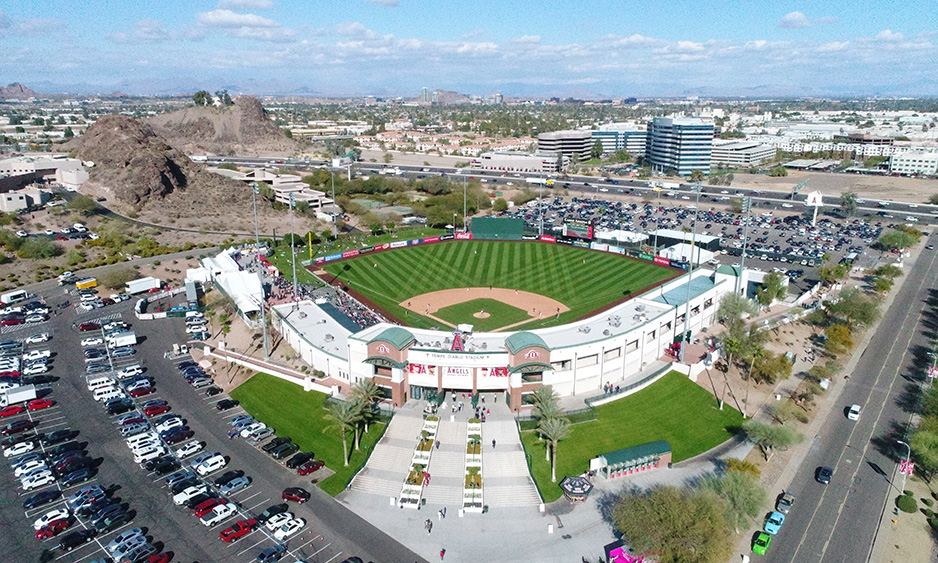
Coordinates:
(255, 188)
(690, 273)
(654, 251)
(908, 454)
(263, 321)
(464, 184)
(746, 208)
(293, 244)
(334, 218)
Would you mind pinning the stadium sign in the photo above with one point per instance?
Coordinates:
(463, 236)
(447, 237)
(548, 238)
(428, 240)
(398, 244)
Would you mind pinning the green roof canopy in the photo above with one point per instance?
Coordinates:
(645, 450)
(521, 340)
(730, 270)
(395, 336)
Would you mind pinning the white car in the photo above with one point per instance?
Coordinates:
(133, 537)
(148, 454)
(194, 329)
(171, 423)
(189, 449)
(39, 480)
(278, 520)
(57, 514)
(92, 341)
(854, 412)
(143, 448)
(218, 514)
(289, 529)
(22, 234)
(36, 369)
(251, 428)
(35, 473)
(29, 467)
(187, 494)
(35, 319)
(36, 355)
(211, 465)
(38, 338)
(17, 450)
(138, 385)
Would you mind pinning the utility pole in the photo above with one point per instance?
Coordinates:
(746, 208)
(335, 220)
(257, 242)
(292, 245)
(690, 273)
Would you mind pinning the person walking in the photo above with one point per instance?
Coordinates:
(493, 443)
(442, 553)
(429, 527)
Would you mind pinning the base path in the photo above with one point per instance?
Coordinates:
(537, 306)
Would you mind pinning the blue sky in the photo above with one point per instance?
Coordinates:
(394, 47)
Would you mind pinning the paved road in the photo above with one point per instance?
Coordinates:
(837, 522)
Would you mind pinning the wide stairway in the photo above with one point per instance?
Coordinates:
(505, 477)
(390, 461)
(448, 464)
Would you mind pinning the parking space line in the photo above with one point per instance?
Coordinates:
(333, 557)
(247, 549)
(248, 498)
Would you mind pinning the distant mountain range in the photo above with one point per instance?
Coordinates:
(16, 91)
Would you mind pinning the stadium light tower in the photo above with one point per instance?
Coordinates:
(657, 188)
(746, 208)
(335, 220)
(293, 244)
(690, 271)
(464, 183)
(255, 189)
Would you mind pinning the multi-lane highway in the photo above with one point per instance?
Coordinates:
(838, 522)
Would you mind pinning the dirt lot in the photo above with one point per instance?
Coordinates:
(866, 187)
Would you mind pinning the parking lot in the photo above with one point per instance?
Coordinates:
(329, 531)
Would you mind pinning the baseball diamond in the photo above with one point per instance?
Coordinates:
(547, 277)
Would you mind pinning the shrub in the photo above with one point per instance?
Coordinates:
(906, 503)
(117, 277)
(39, 248)
(933, 522)
(927, 501)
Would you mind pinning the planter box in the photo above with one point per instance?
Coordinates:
(472, 488)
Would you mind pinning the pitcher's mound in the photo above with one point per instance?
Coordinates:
(481, 315)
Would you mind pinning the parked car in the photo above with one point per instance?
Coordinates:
(234, 485)
(296, 494)
(284, 451)
(271, 511)
(76, 539)
(55, 514)
(298, 460)
(188, 449)
(238, 530)
(218, 514)
(134, 536)
(310, 466)
(52, 529)
(41, 498)
(289, 529)
(226, 404)
(271, 554)
(773, 523)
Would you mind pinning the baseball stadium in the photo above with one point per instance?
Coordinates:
(499, 310)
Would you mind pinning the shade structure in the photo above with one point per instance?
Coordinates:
(576, 489)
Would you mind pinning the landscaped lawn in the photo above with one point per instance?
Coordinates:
(674, 409)
(500, 314)
(301, 416)
(580, 279)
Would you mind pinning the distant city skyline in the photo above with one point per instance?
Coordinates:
(519, 48)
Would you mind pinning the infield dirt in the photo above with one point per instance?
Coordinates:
(537, 306)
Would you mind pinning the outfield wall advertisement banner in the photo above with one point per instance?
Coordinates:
(463, 236)
(662, 261)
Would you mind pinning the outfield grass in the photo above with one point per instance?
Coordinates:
(501, 314)
(583, 281)
(674, 409)
(301, 416)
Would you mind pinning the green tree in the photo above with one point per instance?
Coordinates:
(924, 446)
(768, 367)
(342, 416)
(545, 395)
(697, 175)
(115, 278)
(848, 202)
(773, 289)
(622, 155)
(771, 437)
(500, 205)
(369, 393)
(82, 204)
(782, 412)
(388, 157)
(552, 431)
(779, 172)
(202, 98)
(898, 239)
(838, 339)
(733, 311)
(854, 307)
(39, 248)
(596, 150)
(831, 274)
(736, 205)
(675, 525)
(69, 133)
(742, 496)
(294, 240)
(224, 98)
(933, 199)
(732, 464)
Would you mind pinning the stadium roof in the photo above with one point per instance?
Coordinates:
(735, 271)
(679, 295)
(521, 340)
(395, 336)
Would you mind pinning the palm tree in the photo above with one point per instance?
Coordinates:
(553, 430)
(342, 415)
(545, 395)
(369, 393)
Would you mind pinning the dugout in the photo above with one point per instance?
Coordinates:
(497, 228)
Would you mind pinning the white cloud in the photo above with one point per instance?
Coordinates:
(689, 47)
(389, 3)
(794, 20)
(273, 35)
(833, 46)
(144, 31)
(528, 39)
(355, 30)
(227, 18)
(473, 34)
(246, 4)
(889, 35)
(756, 45)
(634, 39)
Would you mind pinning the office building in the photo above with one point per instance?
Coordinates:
(914, 163)
(515, 162)
(621, 136)
(740, 154)
(568, 143)
(679, 145)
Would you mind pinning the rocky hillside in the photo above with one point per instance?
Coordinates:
(139, 170)
(243, 129)
(16, 91)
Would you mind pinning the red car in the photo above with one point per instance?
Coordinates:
(39, 404)
(11, 410)
(310, 466)
(10, 373)
(143, 391)
(296, 494)
(12, 321)
(207, 506)
(158, 558)
(177, 437)
(52, 529)
(154, 410)
(239, 529)
(85, 327)
(18, 426)
(132, 420)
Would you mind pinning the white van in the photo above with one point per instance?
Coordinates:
(100, 382)
(107, 393)
(133, 441)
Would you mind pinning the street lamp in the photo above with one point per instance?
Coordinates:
(908, 454)
(255, 189)
(334, 218)
(690, 272)
(746, 208)
(263, 320)
(454, 222)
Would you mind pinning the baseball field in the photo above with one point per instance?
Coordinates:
(493, 285)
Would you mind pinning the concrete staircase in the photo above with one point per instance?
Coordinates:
(390, 461)
(505, 475)
(447, 465)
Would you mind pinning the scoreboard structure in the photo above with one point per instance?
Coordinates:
(582, 230)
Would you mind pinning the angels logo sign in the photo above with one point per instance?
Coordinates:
(382, 349)
(531, 354)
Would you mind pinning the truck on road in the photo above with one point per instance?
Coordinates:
(16, 395)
